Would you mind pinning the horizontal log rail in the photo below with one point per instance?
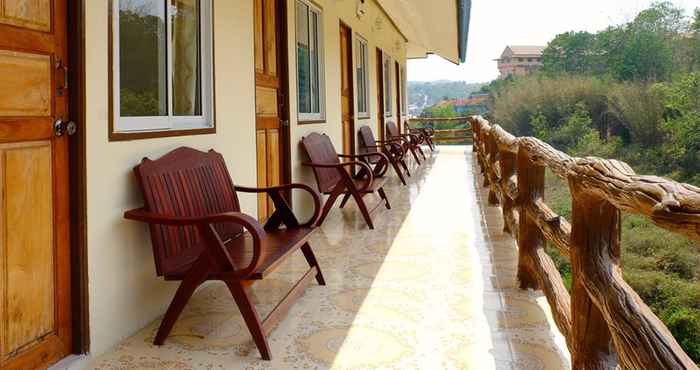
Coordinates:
(605, 323)
(446, 136)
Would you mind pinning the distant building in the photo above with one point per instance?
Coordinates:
(475, 104)
(520, 60)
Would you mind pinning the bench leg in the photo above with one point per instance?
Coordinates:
(382, 194)
(397, 170)
(346, 197)
(311, 259)
(363, 208)
(415, 156)
(420, 150)
(196, 276)
(251, 317)
(405, 167)
(327, 207)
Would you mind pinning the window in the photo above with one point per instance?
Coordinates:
(162, 65)
(361, 65)
(388, 111)
(309, 62)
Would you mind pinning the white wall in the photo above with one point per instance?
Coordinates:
(124, 292)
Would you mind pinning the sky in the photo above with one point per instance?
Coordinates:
(497, 23)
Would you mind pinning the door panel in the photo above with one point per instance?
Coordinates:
(380, 94)
(35, 15)
(30, 77)
(346, 90)
(35, 315)
(269, 99)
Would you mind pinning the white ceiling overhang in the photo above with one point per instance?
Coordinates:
(430, 26)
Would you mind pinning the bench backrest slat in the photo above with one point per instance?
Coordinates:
(321, 151)
(185, 182)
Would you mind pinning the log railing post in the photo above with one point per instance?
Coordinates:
(530, 237)
(492, 158)
(595, 241)
(507, 163)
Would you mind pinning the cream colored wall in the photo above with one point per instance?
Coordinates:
(125, 294)
(379, 32)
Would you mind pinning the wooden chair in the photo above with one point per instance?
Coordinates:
(198, 233)
(425, 135)
(333, 179)
(410, 142)
(392, 149)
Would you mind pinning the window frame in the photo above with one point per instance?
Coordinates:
(130, 128)
(360, 43)
(388, 85)
(319, 117)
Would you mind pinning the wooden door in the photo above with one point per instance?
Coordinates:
(270, 99)
(399, 124)
(35, 312)
(346, 90)
(380, 94)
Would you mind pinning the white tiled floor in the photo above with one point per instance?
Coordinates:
(433, 287)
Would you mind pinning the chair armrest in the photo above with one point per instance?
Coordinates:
(276, 189)
(205, 225)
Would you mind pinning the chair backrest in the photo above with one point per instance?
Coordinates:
(366, 140)
(186, 182)
(392, 129)
(320, 150)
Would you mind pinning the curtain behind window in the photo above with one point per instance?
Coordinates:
(186, 52)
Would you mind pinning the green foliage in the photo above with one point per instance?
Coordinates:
(429, 93)
(650, 48)
(442, 111)
(630, 92)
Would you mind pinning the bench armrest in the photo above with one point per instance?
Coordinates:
(343, 174)
(205, 225)
(274, 192)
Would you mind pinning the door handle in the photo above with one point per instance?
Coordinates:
(284, 122)
(61, 127)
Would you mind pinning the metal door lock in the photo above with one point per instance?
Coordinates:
(61, 127)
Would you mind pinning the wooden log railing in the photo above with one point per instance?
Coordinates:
(605, 323)
(446, 136)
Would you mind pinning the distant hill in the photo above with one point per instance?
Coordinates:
(425, 94)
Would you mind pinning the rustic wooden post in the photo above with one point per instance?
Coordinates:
(507, 164)
(595, 235)
(530, 237)
(492, 158)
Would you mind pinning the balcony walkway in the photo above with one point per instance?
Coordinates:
(432, 288)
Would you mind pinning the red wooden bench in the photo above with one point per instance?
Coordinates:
(333, 179)
(410, 141)
(393, 150)
(425, 135)
(198, 233)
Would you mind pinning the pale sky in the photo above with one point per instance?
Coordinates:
(497, 23)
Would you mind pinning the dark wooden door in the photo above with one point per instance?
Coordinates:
(35, 293)
(398, 97)
(346, 90)
(270, 99)
(380, 94)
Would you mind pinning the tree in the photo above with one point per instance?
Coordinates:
(571, 52)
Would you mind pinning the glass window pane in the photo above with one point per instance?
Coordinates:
(186, 57)
(303, 58)
(142, 58)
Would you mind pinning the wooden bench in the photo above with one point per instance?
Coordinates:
(198, 233)
(425, 135)
(410, 141)
(333, 178)
(392, 149)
